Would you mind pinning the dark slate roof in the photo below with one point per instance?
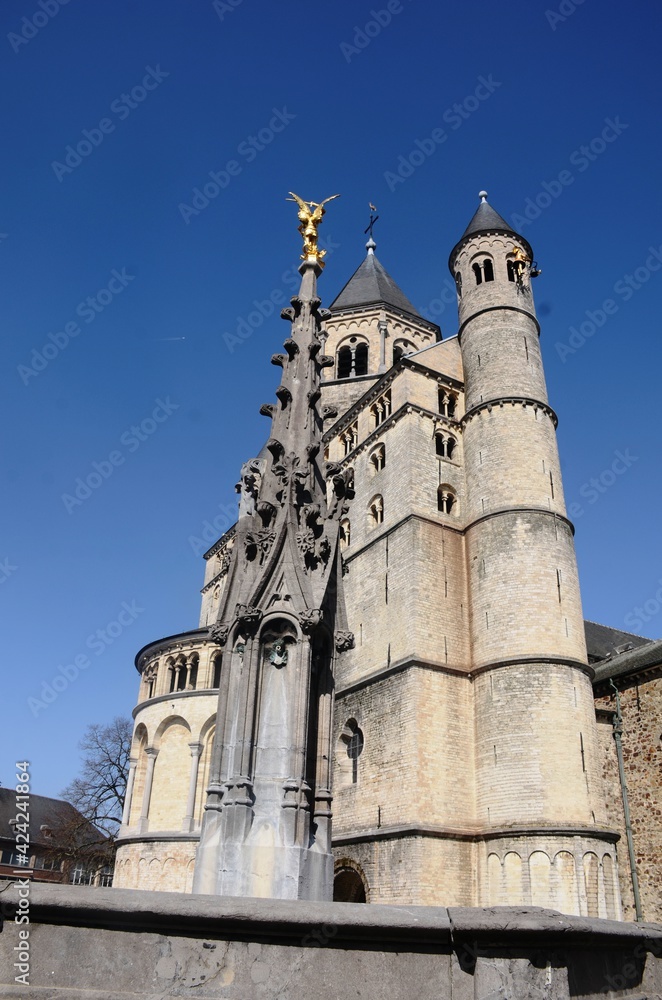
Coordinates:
(603, 641)
(486, 220)
(372, 285)
(629, 666)
(55, 814)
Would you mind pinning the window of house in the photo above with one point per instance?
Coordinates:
(350, 438)
(378, 459)
(345, 533)
(81, 876)
(445, 445)
(400, 348)
(376, 510)
(381, 409)
(445, 500)
(447, 403)
(352, 359)
(483, 270)
(355, 745)
(106, 876)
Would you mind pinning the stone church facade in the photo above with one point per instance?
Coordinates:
(468, 768)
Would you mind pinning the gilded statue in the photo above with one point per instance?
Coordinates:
(310, 216)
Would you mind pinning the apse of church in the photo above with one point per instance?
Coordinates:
(390, 667)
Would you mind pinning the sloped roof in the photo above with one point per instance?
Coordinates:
(371, 285)
(486, 219)
(641, 660)
(53, 814)
(602, 641)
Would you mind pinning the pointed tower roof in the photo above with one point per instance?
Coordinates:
(372, 285)
(486, 220)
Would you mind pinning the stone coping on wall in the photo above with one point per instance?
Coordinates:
(286, 921)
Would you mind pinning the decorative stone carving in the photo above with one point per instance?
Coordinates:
(219, 633)
(278, 654)
(311, 619)
(248, 617)
(344, 640)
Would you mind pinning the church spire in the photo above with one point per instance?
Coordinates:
(267, 828)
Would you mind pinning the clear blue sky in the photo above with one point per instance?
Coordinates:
(352, 107)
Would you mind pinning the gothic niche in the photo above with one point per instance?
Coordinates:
(277, 641)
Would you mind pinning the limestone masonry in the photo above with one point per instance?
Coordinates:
(389, 697)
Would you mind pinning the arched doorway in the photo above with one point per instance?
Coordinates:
(348, 885)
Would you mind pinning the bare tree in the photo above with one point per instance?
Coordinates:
(98, 792)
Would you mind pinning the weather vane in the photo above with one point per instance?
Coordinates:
(373, 218)
(310, 218)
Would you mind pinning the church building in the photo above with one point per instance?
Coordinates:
(389, 696)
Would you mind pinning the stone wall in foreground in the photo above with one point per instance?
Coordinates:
(116, 944)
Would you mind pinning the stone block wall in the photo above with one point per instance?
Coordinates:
(641, 706)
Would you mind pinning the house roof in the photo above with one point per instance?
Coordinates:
(602, 641)
(371, 285)
(486, 220)
(631, 664)
(44, 814)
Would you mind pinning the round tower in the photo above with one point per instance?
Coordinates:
(538, 801)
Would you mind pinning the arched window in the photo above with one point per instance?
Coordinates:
(510, 265)
(483, 270)
(361, 360)
(377, 459)
(352, 359)
(350, 438)
(345, 533)
(192, 675)
(376, 510)
(344, 365)
(180, 672)
(216, 671)
(445, 445)
(400, 348)
(447, 403)
(171, 675)
(445, 499)
(352, 737)
(150, 677)
(458, 283)
(381, 409)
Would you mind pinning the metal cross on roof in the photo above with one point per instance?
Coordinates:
(373, 218)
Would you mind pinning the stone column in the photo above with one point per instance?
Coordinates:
(152, 754)
(196, 750)
(382, 326)
(128, 795)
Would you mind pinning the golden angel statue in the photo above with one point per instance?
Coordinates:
(310, 216)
